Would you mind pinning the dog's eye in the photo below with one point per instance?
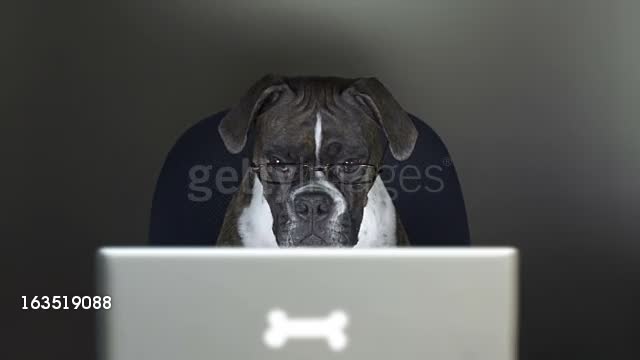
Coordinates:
(350, 166)
(278, 165)
(275, 161)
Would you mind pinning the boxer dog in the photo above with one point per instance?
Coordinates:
(314, 179)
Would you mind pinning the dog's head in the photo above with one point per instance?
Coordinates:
(319, 142)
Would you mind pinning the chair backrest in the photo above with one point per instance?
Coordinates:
(199, 177)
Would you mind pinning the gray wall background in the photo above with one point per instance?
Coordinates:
(537, 100)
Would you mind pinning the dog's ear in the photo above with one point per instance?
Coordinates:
(395, 122)
(236, 123)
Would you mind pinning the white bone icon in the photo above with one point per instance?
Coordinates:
(331, 328)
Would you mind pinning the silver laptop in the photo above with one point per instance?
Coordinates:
(213, 303)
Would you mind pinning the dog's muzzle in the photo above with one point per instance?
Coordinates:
(316, 216)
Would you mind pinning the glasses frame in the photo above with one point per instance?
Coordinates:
(312, 168)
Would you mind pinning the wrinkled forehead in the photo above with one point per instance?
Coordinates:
(303, 129)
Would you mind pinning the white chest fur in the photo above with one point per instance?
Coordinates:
(255, 222)
(378, 227)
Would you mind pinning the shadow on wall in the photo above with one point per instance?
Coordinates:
(222, 48)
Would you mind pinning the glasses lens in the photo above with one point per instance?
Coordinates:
(352, 174)
(279, 173)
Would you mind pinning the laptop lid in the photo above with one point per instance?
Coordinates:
(215, 303)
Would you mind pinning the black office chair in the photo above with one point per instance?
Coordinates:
(189, 207)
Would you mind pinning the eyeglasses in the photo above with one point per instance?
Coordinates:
(287, 173)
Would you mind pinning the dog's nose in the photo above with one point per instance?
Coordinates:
(313, 205)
